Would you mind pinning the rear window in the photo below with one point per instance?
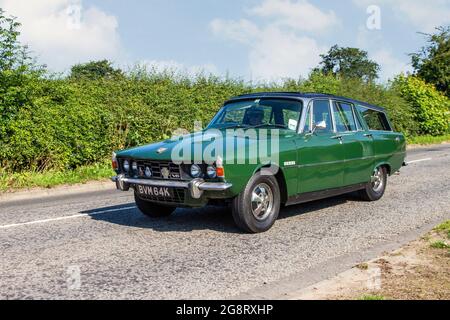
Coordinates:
(375, 120)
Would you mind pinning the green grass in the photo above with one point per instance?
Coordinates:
(52, 178)
(371, 297)
(440, 245)
(424, 140)
(444, 228)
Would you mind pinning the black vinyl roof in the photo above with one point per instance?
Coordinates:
(300, 95)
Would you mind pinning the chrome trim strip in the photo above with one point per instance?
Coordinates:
(204, 186)
(155, 183)
(215, 186)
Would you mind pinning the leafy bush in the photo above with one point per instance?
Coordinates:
(64, 123)
(430, 107)
(51, 123)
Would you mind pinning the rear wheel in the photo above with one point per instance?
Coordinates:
(256, 208)
(375, 189)
(153, 210)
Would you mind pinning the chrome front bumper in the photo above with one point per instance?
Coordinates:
(196, 186)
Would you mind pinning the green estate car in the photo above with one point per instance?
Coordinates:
(264, 151)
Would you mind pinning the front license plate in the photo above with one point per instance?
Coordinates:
(155, 192)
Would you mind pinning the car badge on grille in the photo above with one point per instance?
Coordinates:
(161, 150)
(165, 173)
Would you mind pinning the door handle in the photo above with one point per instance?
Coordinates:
(337, 137)
(368, 135)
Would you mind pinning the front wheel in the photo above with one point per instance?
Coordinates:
(375, 189)
(153, 210)
(256, 208)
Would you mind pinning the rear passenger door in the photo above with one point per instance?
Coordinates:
(358, 145)
(321, 156)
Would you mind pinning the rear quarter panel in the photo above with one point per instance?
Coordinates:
(390, 149)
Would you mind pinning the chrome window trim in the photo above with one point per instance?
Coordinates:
(310, 109)
(359, 124)
(305, 109)
(352, 106)
(382, 112)
(333, 120)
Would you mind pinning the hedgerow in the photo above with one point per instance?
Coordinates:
(63, 123)
(430, 108)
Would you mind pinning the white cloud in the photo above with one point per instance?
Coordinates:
(273, 53)
(280, 54)
(299, 15)
(424, 15)
(390, 65)
(63, 32)
(278, 49)
(242, 31)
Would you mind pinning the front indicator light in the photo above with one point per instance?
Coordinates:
(115, 164)
(220, 172)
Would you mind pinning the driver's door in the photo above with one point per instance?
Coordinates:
(321, 154)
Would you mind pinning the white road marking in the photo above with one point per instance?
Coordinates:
(420, 160)
(81, 215)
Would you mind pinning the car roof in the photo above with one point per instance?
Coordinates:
(304, 95)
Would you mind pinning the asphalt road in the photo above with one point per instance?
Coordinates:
(98, 246)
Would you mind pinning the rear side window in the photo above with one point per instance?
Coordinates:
(375, 120)
(343, 115)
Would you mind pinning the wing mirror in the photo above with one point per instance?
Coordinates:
(321, 125)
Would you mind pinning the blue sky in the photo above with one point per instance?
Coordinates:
(250, 39)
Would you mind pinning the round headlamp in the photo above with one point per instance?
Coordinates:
(195, 171)
(134, 166)
(126, 165)
(211, 172)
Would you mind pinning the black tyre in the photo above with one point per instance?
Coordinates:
(375, 189)
(256, 208)
(153, 210)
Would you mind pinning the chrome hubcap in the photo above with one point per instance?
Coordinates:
(262, 201)
(377, 180)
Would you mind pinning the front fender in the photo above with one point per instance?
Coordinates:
(240, 174)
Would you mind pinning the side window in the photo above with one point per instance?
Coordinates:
(375, 120)
(321, 113)
(343, 115)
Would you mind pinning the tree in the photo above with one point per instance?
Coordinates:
(349, 63)
(13, 55)
(432, 62)
(18, 72)
(95, 70)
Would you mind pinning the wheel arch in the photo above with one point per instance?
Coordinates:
(281, 179)
(385, 164)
